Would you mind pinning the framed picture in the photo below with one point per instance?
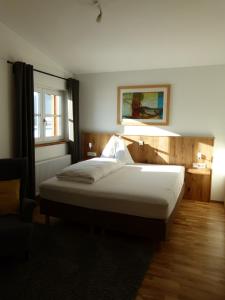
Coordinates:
(143, 105)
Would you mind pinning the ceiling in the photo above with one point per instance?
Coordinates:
(133, 34)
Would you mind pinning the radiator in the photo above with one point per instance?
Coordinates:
(48, 168)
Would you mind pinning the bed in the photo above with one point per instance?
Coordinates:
(135, 198)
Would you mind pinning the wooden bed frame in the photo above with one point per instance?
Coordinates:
(177, 150)
(156, 229)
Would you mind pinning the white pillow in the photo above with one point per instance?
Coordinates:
(109, 150)
(116, 148)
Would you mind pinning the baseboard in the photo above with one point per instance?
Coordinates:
(216, 201)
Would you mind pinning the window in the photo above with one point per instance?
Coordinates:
(70, 120)
(48, 116)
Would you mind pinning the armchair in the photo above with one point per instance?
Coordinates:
(16, 229)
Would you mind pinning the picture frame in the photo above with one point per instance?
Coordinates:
(143, 104)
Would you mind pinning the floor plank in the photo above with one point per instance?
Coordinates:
(191, 264)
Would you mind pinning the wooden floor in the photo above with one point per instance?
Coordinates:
(191, 264)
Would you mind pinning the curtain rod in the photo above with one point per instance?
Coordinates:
(42, 72)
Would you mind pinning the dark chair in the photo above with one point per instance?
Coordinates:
(16, 230)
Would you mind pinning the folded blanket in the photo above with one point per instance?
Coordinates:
(89, 171)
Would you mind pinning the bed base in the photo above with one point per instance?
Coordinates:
(156, 229)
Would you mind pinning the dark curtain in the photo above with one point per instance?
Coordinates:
(24, 120)
(74, 130)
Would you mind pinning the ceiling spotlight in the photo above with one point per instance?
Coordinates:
(97, 4)
(99, 17)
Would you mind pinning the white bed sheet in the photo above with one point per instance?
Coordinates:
(144, 190)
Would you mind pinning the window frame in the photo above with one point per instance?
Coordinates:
(43, 138)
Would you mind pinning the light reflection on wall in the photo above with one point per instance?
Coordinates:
(219, 161)
(146, 130)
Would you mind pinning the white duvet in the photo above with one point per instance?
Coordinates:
(89, 171)
(143, 190)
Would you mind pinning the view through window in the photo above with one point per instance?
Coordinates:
(48, 115)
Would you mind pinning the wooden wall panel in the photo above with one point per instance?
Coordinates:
(180, 150)
(98, 140)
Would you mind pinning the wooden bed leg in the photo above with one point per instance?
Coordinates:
(47, 219)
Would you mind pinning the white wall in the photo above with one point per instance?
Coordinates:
(197, 107)
(15, 48)
(5, 110)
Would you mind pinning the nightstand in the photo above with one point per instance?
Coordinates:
(198, 184)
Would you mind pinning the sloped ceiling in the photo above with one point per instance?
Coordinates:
(133, 34)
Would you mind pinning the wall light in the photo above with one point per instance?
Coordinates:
(199, 155)
(90, 145)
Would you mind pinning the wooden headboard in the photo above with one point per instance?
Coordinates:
(178, 150)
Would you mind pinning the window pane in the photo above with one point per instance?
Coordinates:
(49, 104)
(71, 135)
(58, 104)
(53, 126)
(58, 126)
(36, 103)
(49, 126)
(70, 109)
(37, 132)
(53, 104)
